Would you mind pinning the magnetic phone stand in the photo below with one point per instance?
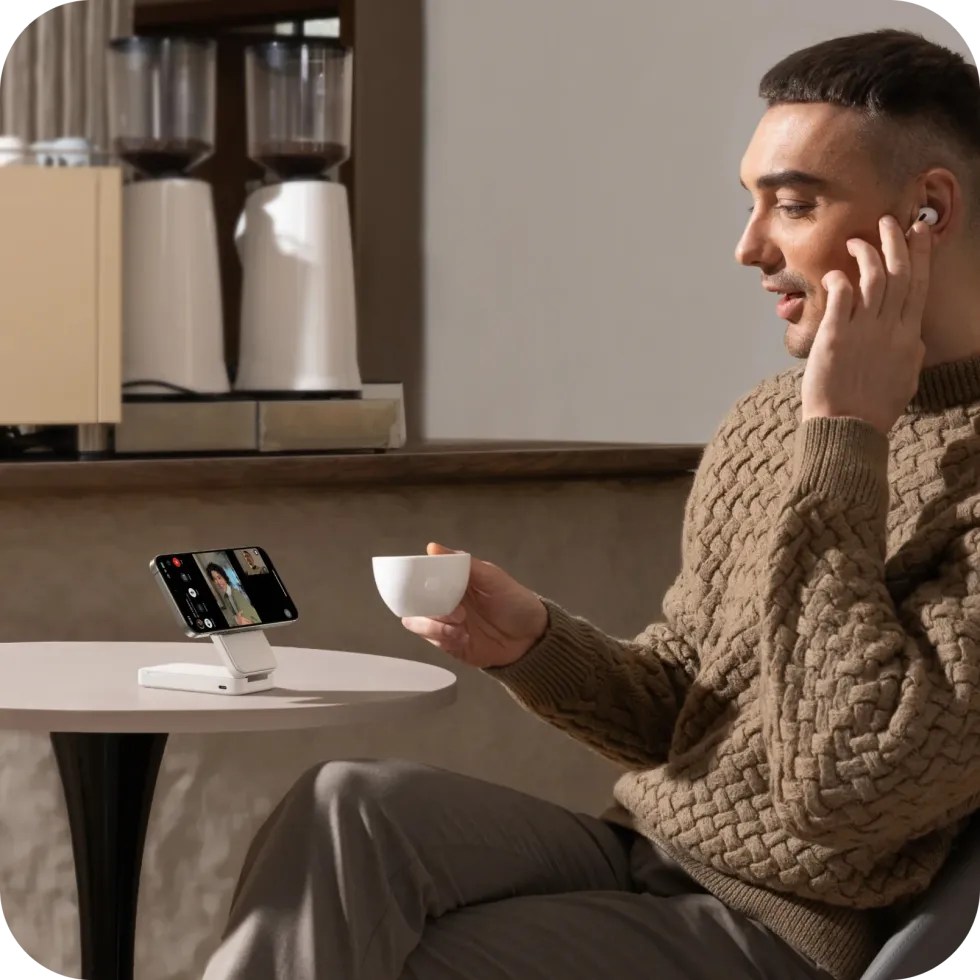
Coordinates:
(247, 666)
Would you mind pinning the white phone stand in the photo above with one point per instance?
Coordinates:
(247, 666)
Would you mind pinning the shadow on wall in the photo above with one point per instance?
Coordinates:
(389, 134)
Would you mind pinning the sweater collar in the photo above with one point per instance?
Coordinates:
(945, 385)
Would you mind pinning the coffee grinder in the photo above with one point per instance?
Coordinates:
(161, 122)
(299, 318)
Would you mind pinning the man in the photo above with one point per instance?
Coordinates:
(802, 731)
(253, 564)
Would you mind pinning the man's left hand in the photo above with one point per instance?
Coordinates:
(868, 352)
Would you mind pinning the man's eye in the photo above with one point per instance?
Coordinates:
(794, 210)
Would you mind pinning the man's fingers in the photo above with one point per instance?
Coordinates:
(455, 618)
(433, 628)
(898, 264)
(840, 302)
(873, 276)
(920, 263)
(447, 636)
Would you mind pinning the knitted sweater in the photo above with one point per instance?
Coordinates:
(802, 730)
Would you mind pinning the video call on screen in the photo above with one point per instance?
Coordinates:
(227, 589)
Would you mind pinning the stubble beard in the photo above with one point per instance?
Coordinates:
(798, 340)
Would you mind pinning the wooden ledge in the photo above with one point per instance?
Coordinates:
(432, 463)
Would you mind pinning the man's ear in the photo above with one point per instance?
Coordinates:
(939, 190)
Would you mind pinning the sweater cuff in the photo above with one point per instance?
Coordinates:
(842, 458)
(554, 671)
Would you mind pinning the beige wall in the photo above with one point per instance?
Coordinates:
(607, 551)
(582, 207)
(548, 203)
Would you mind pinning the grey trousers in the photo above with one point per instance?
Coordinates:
(388, 870)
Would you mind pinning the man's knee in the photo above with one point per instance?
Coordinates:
(327, 801)
(353, 784)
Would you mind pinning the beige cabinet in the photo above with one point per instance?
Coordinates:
(60, 295)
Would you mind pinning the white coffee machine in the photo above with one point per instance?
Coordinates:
(299, 316)
(161, 119)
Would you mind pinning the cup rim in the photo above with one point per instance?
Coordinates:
(461, 554)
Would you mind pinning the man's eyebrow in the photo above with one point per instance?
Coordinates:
(787, 178)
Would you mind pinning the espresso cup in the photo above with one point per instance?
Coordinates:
(13, 151)
(422, 585)
(68, 151)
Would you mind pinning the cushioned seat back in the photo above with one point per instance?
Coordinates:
(940, 920)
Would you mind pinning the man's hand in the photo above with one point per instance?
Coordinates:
(868, 352)
(497, 622)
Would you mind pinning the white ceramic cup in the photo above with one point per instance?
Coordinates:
(13, 151)
(422, 585)
(68, 151)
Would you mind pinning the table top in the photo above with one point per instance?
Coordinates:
(92, 687)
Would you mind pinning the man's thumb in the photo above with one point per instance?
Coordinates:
(437, 549)
(478, 568)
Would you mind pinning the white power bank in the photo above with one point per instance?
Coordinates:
(203, 679)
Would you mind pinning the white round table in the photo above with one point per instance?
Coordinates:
(109, 735)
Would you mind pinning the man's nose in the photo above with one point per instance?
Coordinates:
(755, 248)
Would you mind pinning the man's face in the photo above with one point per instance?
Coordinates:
(814, 185)
(219, 581)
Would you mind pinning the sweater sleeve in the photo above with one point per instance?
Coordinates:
(621, 697)
(871, 706)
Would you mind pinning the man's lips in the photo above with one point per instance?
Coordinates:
(790, 306)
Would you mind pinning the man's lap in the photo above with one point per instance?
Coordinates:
(380, 869)
(592, 935)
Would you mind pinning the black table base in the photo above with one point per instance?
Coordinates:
(108, 782)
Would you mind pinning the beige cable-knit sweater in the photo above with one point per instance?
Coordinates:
(802, 731)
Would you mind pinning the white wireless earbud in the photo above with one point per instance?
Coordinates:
(929, 216)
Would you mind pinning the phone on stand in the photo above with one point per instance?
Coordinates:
(231, 596)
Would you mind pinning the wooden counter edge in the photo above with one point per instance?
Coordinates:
(424, 465)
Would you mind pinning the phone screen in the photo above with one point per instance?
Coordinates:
(218, 591)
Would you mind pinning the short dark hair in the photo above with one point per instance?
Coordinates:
(212, 568)
(920, 100)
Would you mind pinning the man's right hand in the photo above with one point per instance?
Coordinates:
(496, 623)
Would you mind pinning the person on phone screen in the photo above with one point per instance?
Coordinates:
(234, 603)
(253, 564)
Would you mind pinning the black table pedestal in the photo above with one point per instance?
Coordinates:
(108, 782)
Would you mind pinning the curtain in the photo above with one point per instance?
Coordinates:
(54, 81)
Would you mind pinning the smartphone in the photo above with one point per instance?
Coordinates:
(224, 591)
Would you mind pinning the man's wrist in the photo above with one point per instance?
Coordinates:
(842, 457)
(539, 629)
(543, 620)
